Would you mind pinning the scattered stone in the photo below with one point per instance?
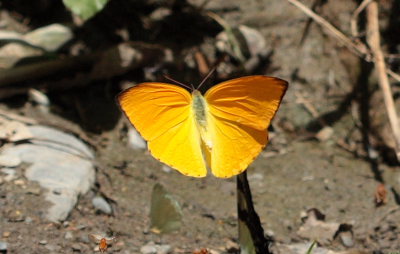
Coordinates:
(28, 220)
(301, 248)
(33, 189)
(43, 242)
(68, 235)
(6, 234)
(135, 140)
(38, 97)
(166, 169)
(315, 228)
(13, 131)
(256, 177)
(20, 182)
(325, 133)
(53, 247)
(60, 163)
(101, 205)
(9, 161)
(3, 247)
(345, 234)
(16, 216)
(346, 239)
(152, 248)
(148, 249)
(10, 173)
(76, 247)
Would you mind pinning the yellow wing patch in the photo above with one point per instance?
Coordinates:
(240, 111)
(162, 114)
(252, 100)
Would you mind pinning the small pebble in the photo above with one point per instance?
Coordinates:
(9, 161)
(16, 216)
(256, 177)
(53, 247)
(347, 239)
(6, 234)
(101, 204)
(43, 242)
(76, 247)
(166, 169)
(152, 248)
(19, 182)
(28, 220)
(10, 174)
(3, 247)
(135, 140)
(68, 235)
(34, 190)
(163, 249)
(325, 133)
(148, 249)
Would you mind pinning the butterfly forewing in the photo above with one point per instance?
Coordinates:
(251, 101)
(240, 111)
(163, 114)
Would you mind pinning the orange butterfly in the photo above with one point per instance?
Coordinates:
(202, 251)
(224, 130)
(103, 242)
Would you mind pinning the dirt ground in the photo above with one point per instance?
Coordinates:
(328, 87)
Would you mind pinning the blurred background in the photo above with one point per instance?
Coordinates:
(72, 165)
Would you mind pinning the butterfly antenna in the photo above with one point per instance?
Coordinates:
(208, 75)
(179, 83)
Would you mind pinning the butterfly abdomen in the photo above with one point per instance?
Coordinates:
(200, 114)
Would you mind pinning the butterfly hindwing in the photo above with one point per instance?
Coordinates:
(162, 114)
(239, 113)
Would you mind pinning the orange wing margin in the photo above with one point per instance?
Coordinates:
(162, 114)
(240, 111)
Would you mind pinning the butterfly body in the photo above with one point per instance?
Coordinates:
(199, 106)
(224, 130)
(102, 241)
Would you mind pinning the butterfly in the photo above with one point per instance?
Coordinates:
(103, 242)
(202, 251)
(224, 130)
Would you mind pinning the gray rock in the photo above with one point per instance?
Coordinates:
(164, 249)
(9, 161)
(148, 249)
(347, 238)
(60, 163)
(101, 204)
(166, 169)
(68, 235)
(10, 174)
(3, 247)
(135, 140)
(152, 248)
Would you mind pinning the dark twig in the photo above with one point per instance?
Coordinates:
(249, 217)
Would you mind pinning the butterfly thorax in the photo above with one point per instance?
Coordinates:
(199, 109)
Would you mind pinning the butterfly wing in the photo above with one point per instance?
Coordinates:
(239, 112)
(162, 113)
(95, 238)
